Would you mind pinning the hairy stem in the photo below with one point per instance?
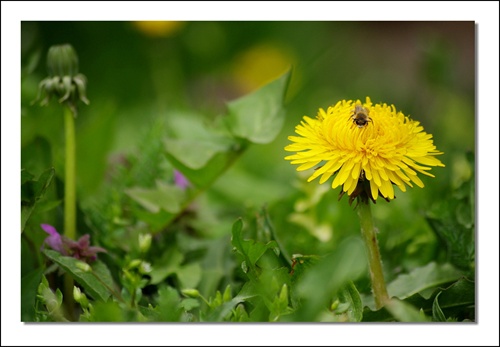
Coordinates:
(375, 262)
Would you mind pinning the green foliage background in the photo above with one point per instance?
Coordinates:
(250, 240)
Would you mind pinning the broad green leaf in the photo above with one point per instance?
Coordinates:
(460, 293)
(156, 221)
(96, 282)
(195, 154)
(421, 279)
(29, 285)
(164, 197)
(32, 191)
(457, 301)
(200, 151)
(258, 117)
(216, 164)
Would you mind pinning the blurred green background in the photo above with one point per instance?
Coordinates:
(140, 73)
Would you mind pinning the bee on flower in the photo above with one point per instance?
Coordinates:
(377, 148)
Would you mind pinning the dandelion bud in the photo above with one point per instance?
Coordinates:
(64, 82)
(62, 61)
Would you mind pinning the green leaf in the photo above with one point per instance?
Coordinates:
(458, 300)
(453, 222)
(437, 313)
(215, 265)
(32, 191)
(248, 291)
(280, 306)
(195, 154)
(26, 176)
(189, 303)
(404, 312)
(349, 294)
(169, 304)
(108, 312)
(213, 168)
(168, 265)
(283, 297)
(189, 275)
(322, 280)
(164, 197)
(29, 285)
(258, 117)
(236, 238)
(300, 263)
(251, 250)
(200, 151)
(421, 279)
(52, 302)
(97, 282)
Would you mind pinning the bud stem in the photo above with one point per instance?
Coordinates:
(70, 173)
(69, 196)
(376, 274)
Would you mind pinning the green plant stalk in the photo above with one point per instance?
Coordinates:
(70, 175)
(375, 262)
(69, 196)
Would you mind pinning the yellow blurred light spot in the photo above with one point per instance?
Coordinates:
(260, 65)
(159, 28)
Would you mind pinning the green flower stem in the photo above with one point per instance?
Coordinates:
(69, 198)
(70, 176)
(374, 260)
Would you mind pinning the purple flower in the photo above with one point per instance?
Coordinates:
(180, 180)
(54, 240)
(80, 249)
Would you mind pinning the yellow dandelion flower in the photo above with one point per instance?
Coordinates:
(370, 147)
